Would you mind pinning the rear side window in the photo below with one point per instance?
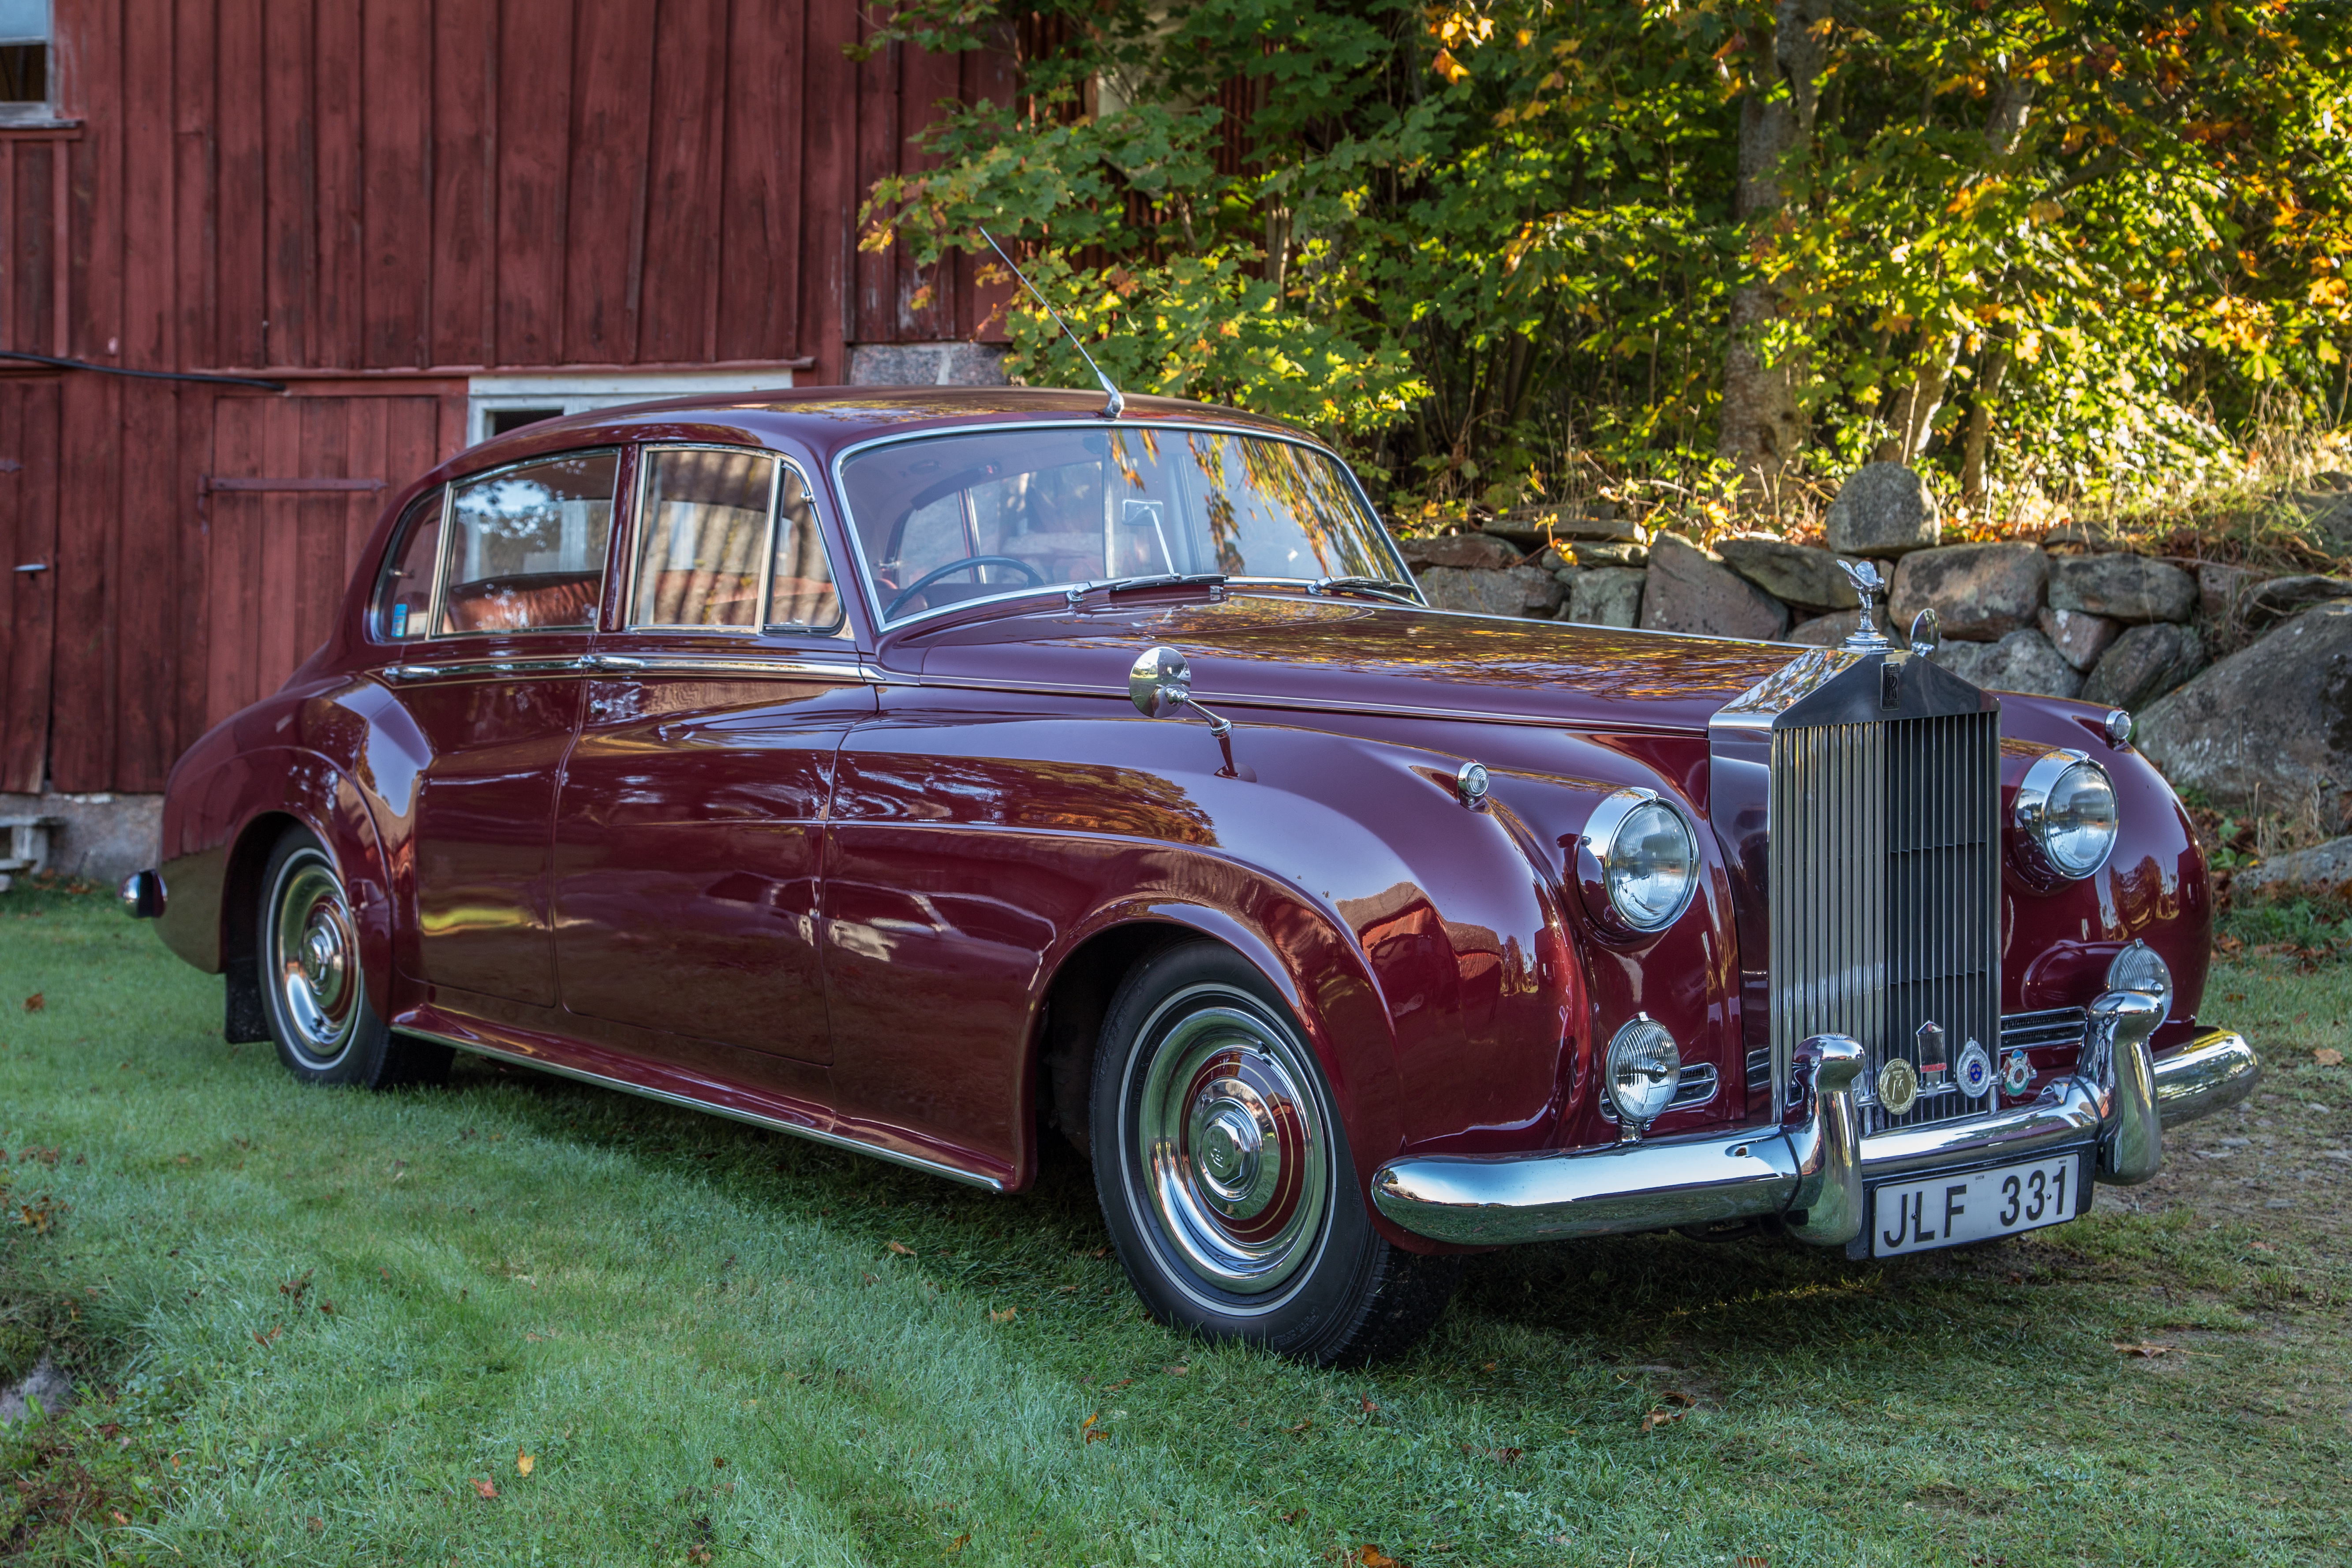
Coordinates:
(527, 546)
(403, 600)
(727, 541)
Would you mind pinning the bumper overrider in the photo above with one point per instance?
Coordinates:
(1813, 1173)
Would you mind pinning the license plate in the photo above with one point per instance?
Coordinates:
(1976, 1205)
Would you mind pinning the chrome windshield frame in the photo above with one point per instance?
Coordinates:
(884, 628)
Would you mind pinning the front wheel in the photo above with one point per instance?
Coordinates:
(312, 987)
(1224, 1175)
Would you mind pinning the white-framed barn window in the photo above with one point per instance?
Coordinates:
(27, 63)
(497, 404)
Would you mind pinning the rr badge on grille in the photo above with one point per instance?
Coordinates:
(1933, 1064)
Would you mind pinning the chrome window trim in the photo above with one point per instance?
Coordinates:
(646, 452)
(375, 627)
(873, 594)
(433, 632)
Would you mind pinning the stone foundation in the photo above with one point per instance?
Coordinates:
(100, 838)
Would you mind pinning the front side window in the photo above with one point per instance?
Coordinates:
(948, 518)
(727, 541)
(527, 546)
(403, 599)
(24, 60)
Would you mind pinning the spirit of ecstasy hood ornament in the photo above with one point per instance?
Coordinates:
(1867, 585)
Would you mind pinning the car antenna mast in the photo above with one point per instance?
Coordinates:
(1118, 403)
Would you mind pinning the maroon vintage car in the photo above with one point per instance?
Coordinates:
(784, 759)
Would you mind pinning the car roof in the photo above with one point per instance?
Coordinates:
(819, 422)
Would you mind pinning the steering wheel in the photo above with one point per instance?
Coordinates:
(1036, 578)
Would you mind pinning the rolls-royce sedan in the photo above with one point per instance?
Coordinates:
(931, 772)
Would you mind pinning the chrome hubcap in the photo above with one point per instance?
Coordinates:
(313, 960)
(1230, 1142)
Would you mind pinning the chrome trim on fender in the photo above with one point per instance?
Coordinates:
(687, 1102)
(2214, 1071)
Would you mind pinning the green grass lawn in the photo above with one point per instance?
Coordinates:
(327, 1326)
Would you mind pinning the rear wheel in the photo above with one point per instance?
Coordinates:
(1225, 1178)
(312, 987)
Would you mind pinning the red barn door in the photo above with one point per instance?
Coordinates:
(28, 554)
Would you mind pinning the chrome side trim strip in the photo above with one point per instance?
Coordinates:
(815, 1135)
(653, 664)
(2214, 1071)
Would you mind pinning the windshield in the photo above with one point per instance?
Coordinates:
(950, 518)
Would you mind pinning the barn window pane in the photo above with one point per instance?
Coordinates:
(527, 546)
(702, 534)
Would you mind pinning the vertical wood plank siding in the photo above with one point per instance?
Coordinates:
(392, 194)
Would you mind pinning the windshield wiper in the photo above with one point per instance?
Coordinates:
(1079, 591)
(1379, 587)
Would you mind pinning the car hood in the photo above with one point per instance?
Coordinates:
(1277, 649)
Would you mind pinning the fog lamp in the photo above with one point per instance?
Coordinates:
(1644, 1069)
(2139, 968)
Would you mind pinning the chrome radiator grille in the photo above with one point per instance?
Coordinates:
(1884, 876)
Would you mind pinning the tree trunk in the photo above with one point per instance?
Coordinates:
(1972, 459)
(1762, 424)
(1916, 410)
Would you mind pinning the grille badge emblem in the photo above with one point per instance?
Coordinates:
(2017, 1073)
(1934, 1063)
(1976, 1071)
(1898, 1087)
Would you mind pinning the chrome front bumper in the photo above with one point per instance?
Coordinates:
(1814, 1172)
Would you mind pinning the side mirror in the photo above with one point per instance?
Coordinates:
(1160, 684)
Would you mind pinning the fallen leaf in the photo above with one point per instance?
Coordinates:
(1086, 1428)
(1371, 1556)
(1006, 1316)
(1302, 1426)
(959, 1543)
(1176, 1371)
(1122, 1382)
(1294, 1516)
(484, 1489)
(1369, 1408)
(1099, 1252)
(1657, 1418)
(2143, 1349)
(120, 1518)
(35, 1002)
(717, 1463)
(1490, 1366)
(1065, 1290)
(524, 1463)
(2328, 1057)
(902, 1249)
(1751, 1563)
(1500, 1456)
(1676, 1396)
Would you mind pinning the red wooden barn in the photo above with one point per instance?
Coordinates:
(425, 220)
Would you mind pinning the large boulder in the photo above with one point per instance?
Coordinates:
(1691, 590)
(1607, 596)
(2219, 586)
(2079, 638)
(2321, 868)
(2283, 598)
(2145, 663)
(1518, 592)
(1883, 509)
(1469, 551)
(1793, 573)
(2274, 719)
(2021, 661)
(1826, 631)
(2127, 588)
(1981, 593)
(1589, 555)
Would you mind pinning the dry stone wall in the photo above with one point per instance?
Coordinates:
(2109, 627)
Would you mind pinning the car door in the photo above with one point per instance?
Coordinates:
(690, 836)
(491, 675)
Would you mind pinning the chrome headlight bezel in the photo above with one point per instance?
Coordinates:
(1599, 853)
(2029, 815)
(1641, 1071)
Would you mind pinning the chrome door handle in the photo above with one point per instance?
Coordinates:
(416, 671)
(611, 661)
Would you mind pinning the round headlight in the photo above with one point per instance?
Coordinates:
(2066, 813)
(1639, 861)
(1644, 1069)
(2139, 968)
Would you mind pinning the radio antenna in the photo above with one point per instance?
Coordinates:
(1117, 404)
